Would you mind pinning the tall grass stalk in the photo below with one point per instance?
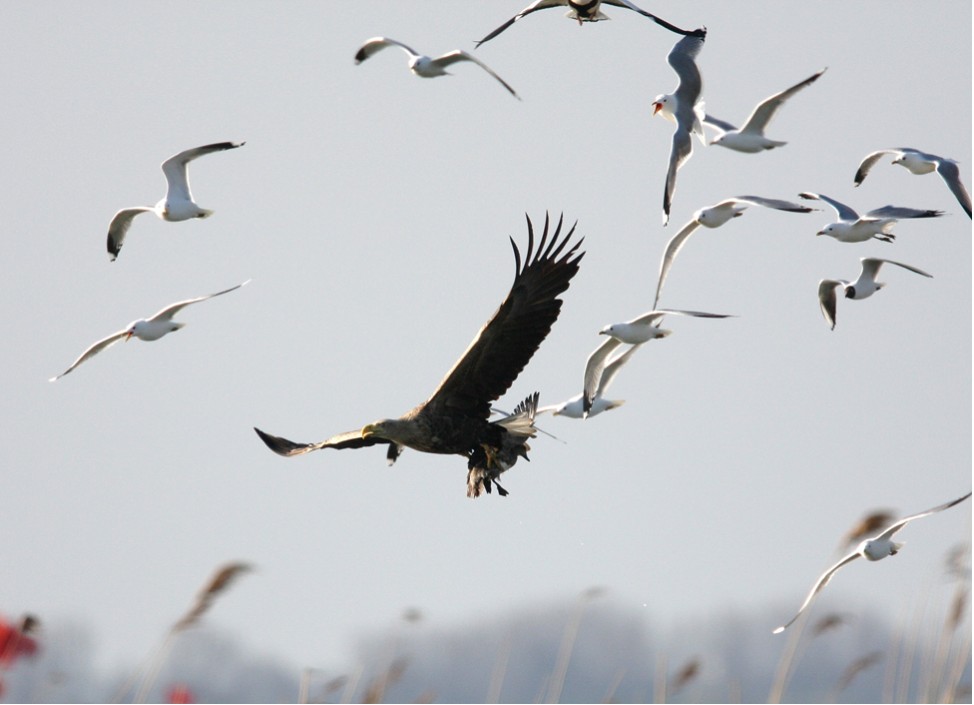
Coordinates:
(499, 671)
(568, 639)
(216, 585)
(659, 679)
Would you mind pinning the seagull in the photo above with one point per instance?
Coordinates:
(178, 203)
(646, 327)
(608, 369)
(852, 227)
(683, 107)
(750, 138)
(713, 217)
(424, 66)
(862, 288)
(584, 11)
(874, 549)
(146, 329)
(921, 163)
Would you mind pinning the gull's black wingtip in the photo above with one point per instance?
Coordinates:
(113, 248)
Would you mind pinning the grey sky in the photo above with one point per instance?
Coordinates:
(372, 210)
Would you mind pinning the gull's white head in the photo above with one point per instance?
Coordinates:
(663, 106)
(832, 230)
(424, 67)
(878, 549)
(134, 328)
(915, 163)
(714, 217)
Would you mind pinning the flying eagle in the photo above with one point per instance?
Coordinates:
(454, 420)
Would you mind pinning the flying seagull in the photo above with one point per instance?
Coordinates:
(713, 217)
(874, 549)
(584, 11)
(608, 364)
(454, 420)
(424, 66)
(683, 107)
(921, 163)
(750, 137)
(145, 329)
(862, 288)
(646, 327)
(852, 227)
(635, 332)
(178, 203)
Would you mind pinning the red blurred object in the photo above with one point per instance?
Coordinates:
(180, 694)
(14, 641)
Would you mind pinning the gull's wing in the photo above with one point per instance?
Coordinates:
(680, 151)
(460, 55)
(175, 168)
(533, 7)
(826, 299)
(169, 311)
(888, 534)
(661, 22)
(93, 350)
(682, 58)
(870, 161)
(775, 203)
(951, 175)
(121, 222)
(593, 370)
(612, 369)
(506, 343)
(648, 318)
(766, 109)
(822, 582)
(351, 439)
(844, 212)
(669, 254)
(652, 316)
(871, 266)
(902, 212)
(709, 119)
(377, 44)
(696, 314)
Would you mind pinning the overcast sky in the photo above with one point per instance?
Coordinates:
(372, 209)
